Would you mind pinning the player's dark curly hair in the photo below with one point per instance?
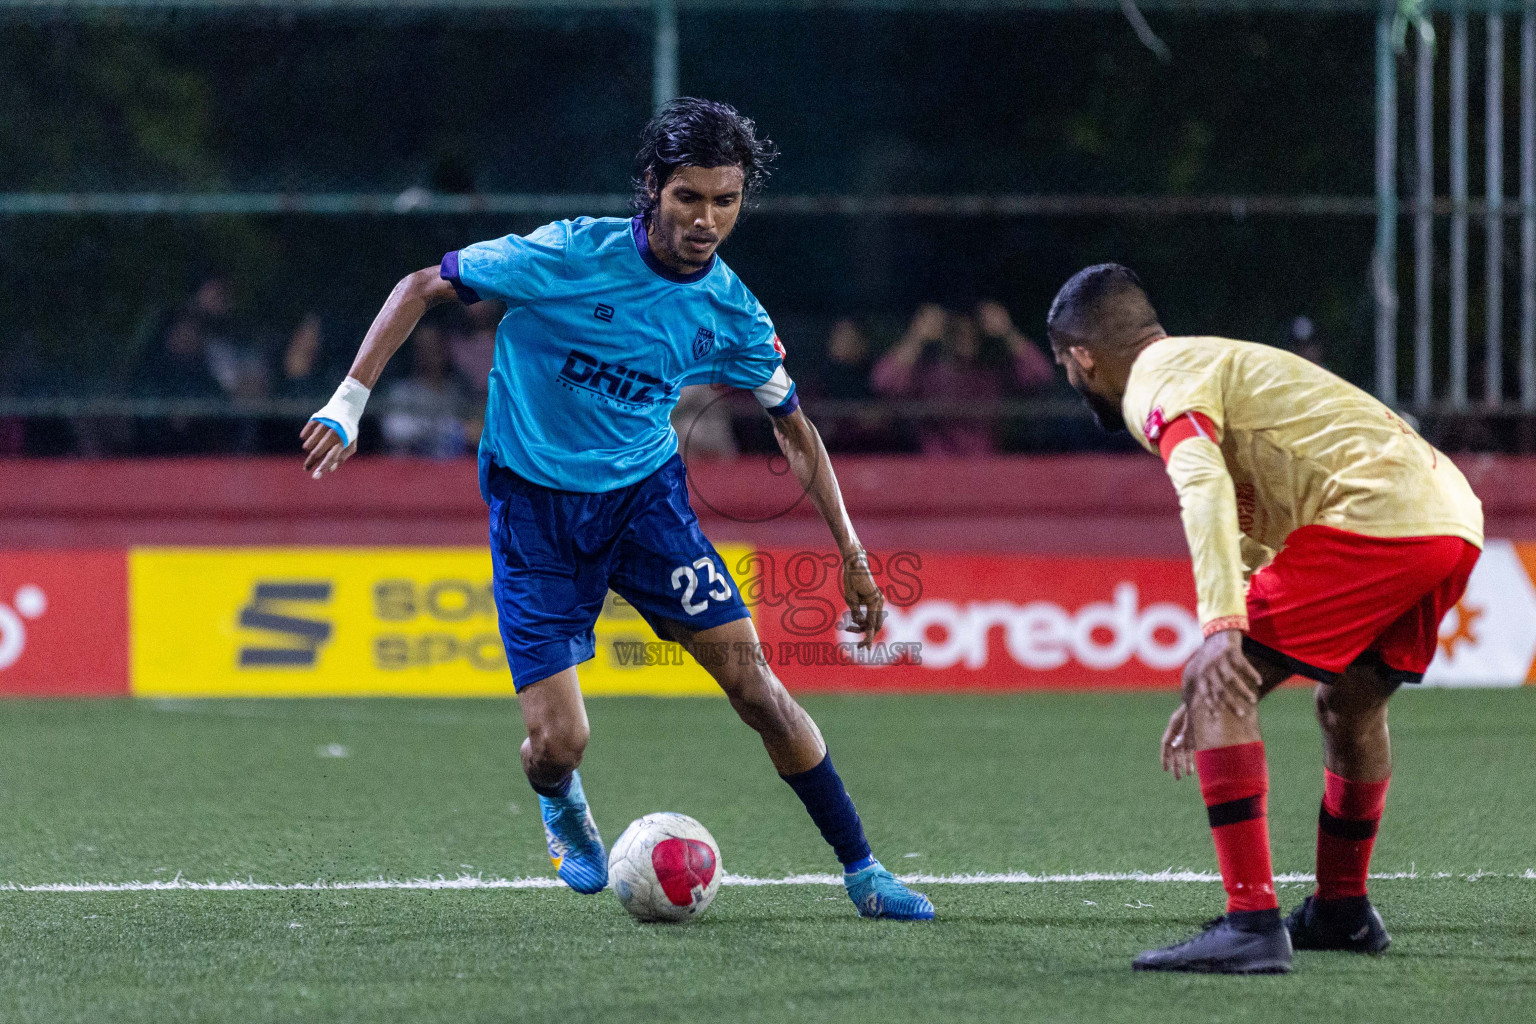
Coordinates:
(690, 132)
(1080, 306)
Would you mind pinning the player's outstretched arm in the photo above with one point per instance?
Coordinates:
(1218, 673)
(801, 444)
(330, 436)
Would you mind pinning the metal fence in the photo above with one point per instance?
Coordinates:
(1441, 378)
(1441, 372)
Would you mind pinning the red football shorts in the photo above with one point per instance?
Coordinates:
(1332, 597)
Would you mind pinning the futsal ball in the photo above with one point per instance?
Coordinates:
(665, 867)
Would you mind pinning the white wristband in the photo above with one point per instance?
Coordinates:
(344, 410)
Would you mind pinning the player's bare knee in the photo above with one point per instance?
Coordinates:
(558, 745)
(1331, 706)
(1324, 705)
(1344, 715)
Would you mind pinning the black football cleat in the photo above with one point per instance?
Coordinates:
(1350, 924)
(1242, 942)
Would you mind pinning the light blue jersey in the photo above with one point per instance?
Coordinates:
(598, 340)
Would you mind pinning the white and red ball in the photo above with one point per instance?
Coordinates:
(665, 867)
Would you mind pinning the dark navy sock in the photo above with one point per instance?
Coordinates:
(559, 791)
(822, 792)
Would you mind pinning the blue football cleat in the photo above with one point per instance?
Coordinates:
(574, 845)
(876, 893)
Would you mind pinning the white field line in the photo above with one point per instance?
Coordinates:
(179, 884)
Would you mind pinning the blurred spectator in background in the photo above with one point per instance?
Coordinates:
(963, 360)
(428, 412)
(197, 354)
(702, 419)
(318, 354)
(301, 359)
(180, 359)
(844, 377)
(472, 344)
(846, 373)
(1305, 342)
(235, 362)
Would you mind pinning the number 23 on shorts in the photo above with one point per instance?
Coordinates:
(684, 578)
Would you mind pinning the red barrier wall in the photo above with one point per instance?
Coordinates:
(63, 623)
(989, 565)
(1068, 505)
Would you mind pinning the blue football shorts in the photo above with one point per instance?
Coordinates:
(556, 554)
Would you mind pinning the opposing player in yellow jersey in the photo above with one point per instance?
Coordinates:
(1328, 541)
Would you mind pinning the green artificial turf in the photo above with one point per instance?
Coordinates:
(1040, 783)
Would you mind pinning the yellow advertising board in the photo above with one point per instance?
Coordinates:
(332, 622)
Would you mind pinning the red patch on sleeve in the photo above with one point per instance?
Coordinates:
(1190, 424)
(1155, 424)
(778, 346)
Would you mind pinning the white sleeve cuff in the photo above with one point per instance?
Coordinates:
(772, 394)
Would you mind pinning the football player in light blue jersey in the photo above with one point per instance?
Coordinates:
(606, 321)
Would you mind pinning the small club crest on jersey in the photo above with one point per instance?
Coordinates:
(1155, 424)
(703, 342)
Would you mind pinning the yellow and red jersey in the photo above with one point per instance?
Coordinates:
(1260, 442)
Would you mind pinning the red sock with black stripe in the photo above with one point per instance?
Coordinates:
(1346, 834)
(1235, 783)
